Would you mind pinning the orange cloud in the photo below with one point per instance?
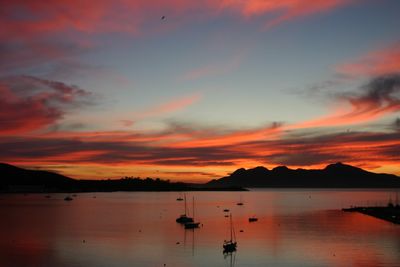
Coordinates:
(385, 61)
(126, 149)
(232, 138)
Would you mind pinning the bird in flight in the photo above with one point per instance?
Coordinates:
(163, 18)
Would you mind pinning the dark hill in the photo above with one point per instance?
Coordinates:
(336, 175)
(17, 178)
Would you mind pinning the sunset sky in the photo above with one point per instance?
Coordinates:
(106, 89)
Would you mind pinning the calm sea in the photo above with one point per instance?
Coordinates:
(295, 228)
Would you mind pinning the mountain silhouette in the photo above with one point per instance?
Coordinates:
(336, 175)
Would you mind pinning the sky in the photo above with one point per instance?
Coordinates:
(192, 90)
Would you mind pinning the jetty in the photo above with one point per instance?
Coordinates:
(390, 213)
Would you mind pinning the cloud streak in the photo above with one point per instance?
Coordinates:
(375, 63)
(171, 106)
(314, 150)
(28, 103)
(128, 16)
(41, 32)
(286, 10)
(379, 97)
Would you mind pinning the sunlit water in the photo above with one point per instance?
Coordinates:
(295, 228)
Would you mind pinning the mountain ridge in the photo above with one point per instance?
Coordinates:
(336, 175)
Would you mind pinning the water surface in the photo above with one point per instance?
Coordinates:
(295, 228)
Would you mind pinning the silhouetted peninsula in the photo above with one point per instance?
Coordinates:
(336, 175)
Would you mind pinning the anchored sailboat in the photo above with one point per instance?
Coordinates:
(179, 198)
(184, 218)
(230, 245)
(192, 224)
(240, 203)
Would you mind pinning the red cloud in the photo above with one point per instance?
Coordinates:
(31, 18)
(385, 61)
(28, 103)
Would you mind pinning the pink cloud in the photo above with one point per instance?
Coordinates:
(44, 17)
(169, 106)
(384, 61)
(29, 28)
(286, 9)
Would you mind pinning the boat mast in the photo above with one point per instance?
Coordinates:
(193, 208)
(185, 204)
(230, 215)
(234, 234)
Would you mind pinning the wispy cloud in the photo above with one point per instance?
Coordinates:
(45, 17)
(313, 150)
(170, 106)
(38, 32)
(375, 63)
(286, 10)
(376, 99)
(232, 138)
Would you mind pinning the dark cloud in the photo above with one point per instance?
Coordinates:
(380, 95)
(396, 124)
(383, 89)
(378, 98)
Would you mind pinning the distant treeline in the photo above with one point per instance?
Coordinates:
(14, 179)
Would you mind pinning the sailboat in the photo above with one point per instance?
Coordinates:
(179, 198)
(184, 218)
(240, 203)
(68, 198)
(253, 219)
(230, 245)
(192, 224)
